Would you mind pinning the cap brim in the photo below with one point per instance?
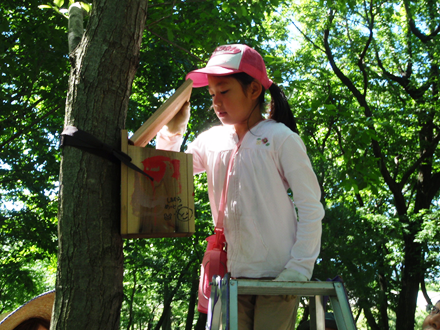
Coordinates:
(39, 307)
(200, 76)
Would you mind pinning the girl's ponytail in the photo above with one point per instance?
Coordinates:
(280, 109)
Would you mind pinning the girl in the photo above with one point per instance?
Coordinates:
(264, 238)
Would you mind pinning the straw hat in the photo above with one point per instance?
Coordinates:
(39, 307)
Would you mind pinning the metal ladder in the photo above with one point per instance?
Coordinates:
(222, 312)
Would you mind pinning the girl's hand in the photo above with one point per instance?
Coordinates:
(177, 125)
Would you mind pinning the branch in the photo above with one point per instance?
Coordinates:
(359, 199)
(176, 45)
(394, 187)
(307, 38)
(76, 28)
(170, 297)
(419, 34)
(368, 315)
(428, 153)
(415, 93)
(171, 3)
(344, 79)
(423, 37)
(327, 135)
(21, 114)
(434, 186)
(27, 128)
(158, 21)
(424, 291)
(130, 310)
(411, 195)
(339, 135)
(367, 45)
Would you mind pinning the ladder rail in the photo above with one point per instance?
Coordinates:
(231, 288)
(317, 319)
(343, 316)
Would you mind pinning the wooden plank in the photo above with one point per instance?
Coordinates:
(157, 208)
(185, 215)
(156, 235)
(124, 185)
(190, 176)
(163, 115)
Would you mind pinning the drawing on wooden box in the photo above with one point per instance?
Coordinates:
(158, 202)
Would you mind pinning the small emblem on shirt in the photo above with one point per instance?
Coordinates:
(263, 141)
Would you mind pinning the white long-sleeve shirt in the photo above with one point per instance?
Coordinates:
(261, 228)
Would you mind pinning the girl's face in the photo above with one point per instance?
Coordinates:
(231, 104)
(432, 321)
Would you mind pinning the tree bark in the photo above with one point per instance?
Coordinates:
(165, 318)
(130, 314)
(411, 274)
(201, 322)
(192, 303)
(90, 260)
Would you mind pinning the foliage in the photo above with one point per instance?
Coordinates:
(363, 87)
(33, 79)
(365, 92)
(58, 6)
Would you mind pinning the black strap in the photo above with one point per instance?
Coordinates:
(74, 137)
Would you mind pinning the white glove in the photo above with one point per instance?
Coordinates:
(177, 125)
(291, 275)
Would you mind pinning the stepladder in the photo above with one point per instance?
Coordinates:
(223, 307)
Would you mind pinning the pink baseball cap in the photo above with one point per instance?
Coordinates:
(230, 59)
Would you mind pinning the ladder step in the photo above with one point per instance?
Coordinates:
(283, 288)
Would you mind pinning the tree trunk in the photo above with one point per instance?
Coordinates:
(192, 303)
(166, 315)
(383, 301)
(90, 260)
(201, 322)
(130, 313)
(365, 306)
(411, 274)
(165, 318)
(413, 271)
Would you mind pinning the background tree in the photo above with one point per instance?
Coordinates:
(377, 113)
(33, 66)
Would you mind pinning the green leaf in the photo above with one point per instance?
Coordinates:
(58, 3)
(225, 7)
(170, 34)
(86, 6)
(244, 11)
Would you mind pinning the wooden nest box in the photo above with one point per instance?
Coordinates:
(163, 205)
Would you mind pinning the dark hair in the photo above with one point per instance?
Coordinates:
(279, 106)
(33, 324)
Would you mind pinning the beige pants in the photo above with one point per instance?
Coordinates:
(267, 312)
